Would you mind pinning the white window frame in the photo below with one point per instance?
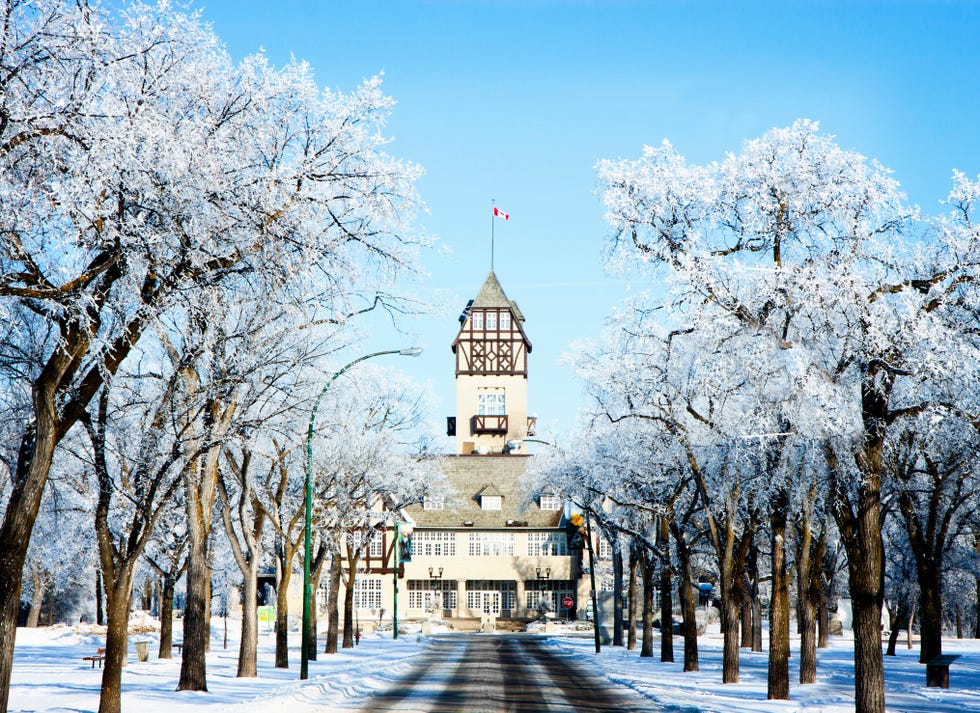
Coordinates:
(547, 544)
(491, 402)
(477, 321)
(504, 321)
(491, 544)
(434, 543)
(491, 321)
(491, 502)
(549, 501)
(433, 502)
(367, 593)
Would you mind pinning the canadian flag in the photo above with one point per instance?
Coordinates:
(497, 213)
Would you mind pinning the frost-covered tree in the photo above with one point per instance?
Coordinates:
(137, 164)
(805, 254)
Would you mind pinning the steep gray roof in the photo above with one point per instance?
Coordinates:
(473, 475)
(492, 295)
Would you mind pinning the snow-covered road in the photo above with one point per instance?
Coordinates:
(491, 674)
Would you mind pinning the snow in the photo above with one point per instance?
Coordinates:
(49, 675)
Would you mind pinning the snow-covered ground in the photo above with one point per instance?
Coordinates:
(50, 675)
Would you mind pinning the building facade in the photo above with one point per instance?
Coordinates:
(486, 548)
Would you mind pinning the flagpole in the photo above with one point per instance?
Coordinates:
(492, 221)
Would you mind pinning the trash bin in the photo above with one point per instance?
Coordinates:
(142, 651)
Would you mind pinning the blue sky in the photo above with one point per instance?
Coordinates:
(516, 101)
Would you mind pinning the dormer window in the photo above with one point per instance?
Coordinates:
(490, 502)
(549, 501)
(504, 321)
(477, 320)
(491, 321)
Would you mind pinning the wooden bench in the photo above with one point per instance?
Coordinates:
(179, 647)
(937, 671)
(99, 656)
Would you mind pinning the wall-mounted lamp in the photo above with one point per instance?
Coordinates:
(433, 574)
(546, 575)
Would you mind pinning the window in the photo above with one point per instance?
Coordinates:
(549, 502)
(547, 544)
(366, 541)
(434, 502)
(491, 321)
(490, 502)
(491, 544)
(367, 593)
(550, 592)
(434, 543)
(605, 548)
(431, 594)
(504, 320)
(477, 320)
(490, 595)
(491, 403)
(376, 545)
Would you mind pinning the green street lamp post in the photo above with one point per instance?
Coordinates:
(308, 492)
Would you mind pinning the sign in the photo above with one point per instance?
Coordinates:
(567, 602)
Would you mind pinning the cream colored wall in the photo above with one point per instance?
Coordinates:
(467, 389)
(462, 567)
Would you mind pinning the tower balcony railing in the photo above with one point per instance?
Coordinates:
(489, 424)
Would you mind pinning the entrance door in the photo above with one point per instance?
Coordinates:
(491, 603)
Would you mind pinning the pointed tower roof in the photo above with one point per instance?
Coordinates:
(492, 295)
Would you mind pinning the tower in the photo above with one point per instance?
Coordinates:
(491, 351)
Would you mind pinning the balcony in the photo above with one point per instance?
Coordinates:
(489, 424)
(532, 423)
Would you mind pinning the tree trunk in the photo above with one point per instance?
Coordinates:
(689, 603)
(33, 464)
(348, 640)
(248, 646)
(118, 598)
(617, 557)
(282, 618)
(896, 615)
(631, 595)
(37, 599)
(99, 612)
(646, 566)
(167, 618)
(333, 597)
(807, 585)
(666, 593)
(826, 564)
(976, 620)
(778, 679)
(193, 666)
(930, 609)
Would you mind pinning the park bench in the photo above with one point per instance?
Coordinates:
(937, 671)
(179, 646)
(99, 656)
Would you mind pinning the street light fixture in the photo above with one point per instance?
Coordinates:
(308, 492)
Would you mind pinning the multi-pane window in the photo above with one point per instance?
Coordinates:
(368, 541)
(434, 543)
(545, 544)
(505, 320)
(491, 403)
(376, 545)
(551, 592)
(605, 548)
(477, 319)
(491, 544)
(490, 595)
(431, 594)
(490, 502)
(433, 502)
(367, 593)
(548, 501)
(491, 321)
